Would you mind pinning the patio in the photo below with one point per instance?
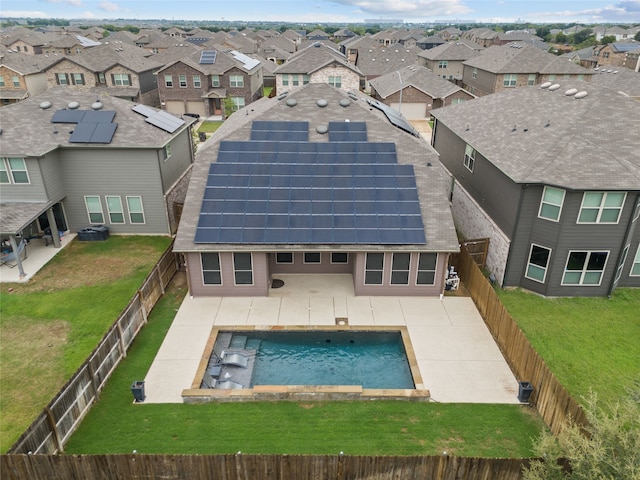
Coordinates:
(456, 355)
(39, 252)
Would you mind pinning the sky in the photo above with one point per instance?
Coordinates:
(333, 11)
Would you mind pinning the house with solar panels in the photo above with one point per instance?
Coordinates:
(71, 160)
(557, 193)
(317, 181)
(201, 82)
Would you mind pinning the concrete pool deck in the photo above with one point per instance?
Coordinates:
(457, 357)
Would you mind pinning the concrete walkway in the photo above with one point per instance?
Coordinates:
(457, 357)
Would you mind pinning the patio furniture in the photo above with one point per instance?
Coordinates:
(229, 385)
(11, 256)
(235, 359)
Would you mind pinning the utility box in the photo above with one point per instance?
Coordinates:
(93, 233)
(524, 391)
(137, 388)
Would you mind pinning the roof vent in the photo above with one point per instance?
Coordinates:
(322, 103)
(292, 102)
(73, 105)
(352, 96)
(322, 129)
(545, 85)
(46, 104)
(96, 105)
(580, 94)
(553, 87)
(571, 91)
(345, 102)
(282, 95)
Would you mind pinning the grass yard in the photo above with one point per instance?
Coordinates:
(589, 343)
(209, 126)
(116, 425)
(50, 325)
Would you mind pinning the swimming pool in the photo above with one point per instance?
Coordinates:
(370, 359)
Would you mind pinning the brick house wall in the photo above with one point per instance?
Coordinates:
(70, 68)
(8, 75)
(350, 80)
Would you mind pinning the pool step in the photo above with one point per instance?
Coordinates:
(238, 341)
(253, 344)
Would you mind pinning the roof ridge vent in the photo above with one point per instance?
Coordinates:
(553, 87)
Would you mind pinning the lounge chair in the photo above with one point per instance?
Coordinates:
(235, 359)
(11, 256)
(208, 381)
(229, 385)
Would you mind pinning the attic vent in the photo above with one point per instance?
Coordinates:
(322, 129)
(73, 105)
(571, 91)
(322, 103)
(353, 96)
(44, 105)
(292, 102)
(282, 95)
(580, 94)
(345, 102)
(555, 86)
(545, 85)
(96, 105)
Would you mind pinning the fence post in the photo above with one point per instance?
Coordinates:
(122, 346)
(54, 429)
(142, 307)
(94, 383)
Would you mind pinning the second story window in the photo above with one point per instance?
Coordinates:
(196, 81)
(551, 203)
(469, 157)
(236, 81)
(121, 79)
(13, 170)
(295, 81)
(601, 207)
(168, 81)
(101, 78)
(335, 81)
(61, 79)
(305, 79)
(16, 81)
(474, 73)
(215, 80)
(285, 80)
(532, 79)
(443, 64)
(77, 78)
(182, 80)
(1, 81)
(510, 80)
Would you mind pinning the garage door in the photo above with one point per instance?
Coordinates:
(196, 107)
(412, 111)
(173, 106)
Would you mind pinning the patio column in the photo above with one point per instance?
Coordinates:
(54, 228)
(14, 248)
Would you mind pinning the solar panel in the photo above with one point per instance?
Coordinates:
(280, 131)
(98, 116)
(208, 57)
(82, 133)
(159, 118)
(144, 110)
(104, 133)
(348, 132)
(394, 117)
(67, 116)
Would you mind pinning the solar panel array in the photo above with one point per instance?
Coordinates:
(280, 131)
(394, 117)
(92, 126)
(208, 57)
(159, 118)
(347, 132)
(288, 192)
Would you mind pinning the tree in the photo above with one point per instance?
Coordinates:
(637, 36)
(561, 38)
(607, 449)
(606, 40)
(582, 35)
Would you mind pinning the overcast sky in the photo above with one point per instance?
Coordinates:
(335, 11)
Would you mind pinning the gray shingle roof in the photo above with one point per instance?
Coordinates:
(417, 77)
(313, 58)
(578, 143)
(436, 213)
(105, 56)
(454, 51)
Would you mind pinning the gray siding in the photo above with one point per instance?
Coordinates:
(490, 188)
(34, 191)
(483, 84)
(114, 172)
(52, 173)
(173, 167)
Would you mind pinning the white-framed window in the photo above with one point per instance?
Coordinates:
(305, 79)
(215, 80)
(295, 81)
(197, 83)
(374, 268)
(114, 208)
(61, 79)
(538, 263)
(166, 151)
(339, 257)
(443, 64)
(77, 78)
(136, 211)
(238, 103)
(236, 81)
(531, 80)
(551, 203)
(101, 78)
(2, 84)
(13, 170)
(601, 207)
(15, 79)
(168, 81)
(284, 257)
(456, 101)
(121, 80)
(182, 81)
(584, 268)
(242, 269)
(335, 81)
(635, 268)
(400, 268)
(285, 80)
(427, 268)
(552, 77)
(94, 209)
(636, 212)
(312, 257)
(474, 74)
(469, 157)
(211, 272)
(510, 80)
(623, 259)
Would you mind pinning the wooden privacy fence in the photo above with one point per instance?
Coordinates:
(549, 397)
(52, 428)
(251, 467)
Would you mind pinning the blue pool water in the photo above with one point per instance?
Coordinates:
(370, 359)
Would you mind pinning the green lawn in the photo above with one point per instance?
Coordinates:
(50, 325)
(362, 428)
(589, 343)
(209, 126)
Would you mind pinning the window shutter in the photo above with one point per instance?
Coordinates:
(129, 80)
(113, 79)
(82, 79)
(73, 79)
(57, 79)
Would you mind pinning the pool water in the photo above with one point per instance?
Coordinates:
(370, 359)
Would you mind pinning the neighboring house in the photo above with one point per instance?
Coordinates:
(68, 45)
(377, 61)
(318, 63)
(23, 40)
(620, 34)
(556, 190)
(449, 33)
(427, 43)
(619, 55)
(70, 160)
(21, 76)
(343, 34)
(307, 187)
(200, 83)
(516, 65)
(318, 34)
(522, 37)
(118, 69)
(447, 59)
(414, 91)
(584, 57)
(484, 37)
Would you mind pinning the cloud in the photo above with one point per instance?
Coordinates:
(624, 12)
(24, 14)
(408, 8)
(109, 6)
(75, 3)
